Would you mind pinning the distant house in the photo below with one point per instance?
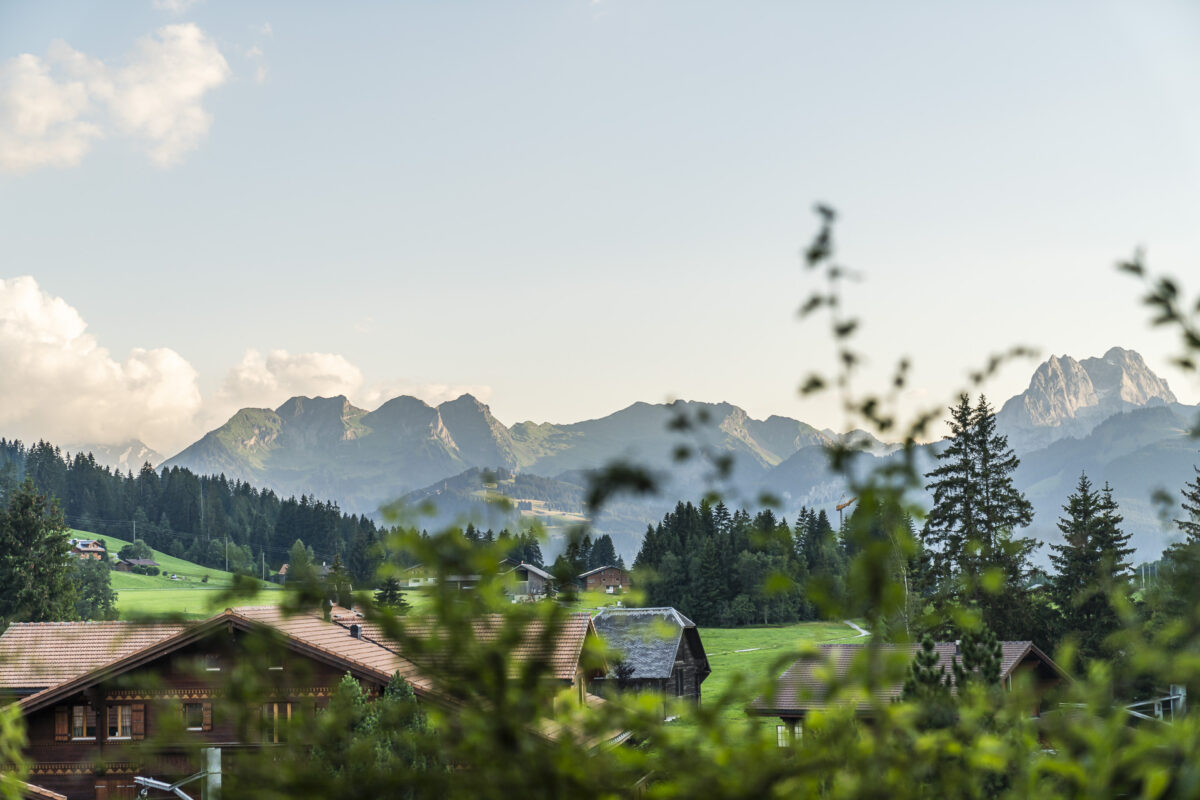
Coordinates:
(128, 564)
(282, 575)
(804, 686)
(419, 575)
(608, 579)
(660, 650)
(87, 548)
(532, 582)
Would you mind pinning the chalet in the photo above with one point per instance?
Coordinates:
(531, 582)
(610, 579)
(87, 548)
(659, 649)
(90, 692)
(805, 685)
(419, 575)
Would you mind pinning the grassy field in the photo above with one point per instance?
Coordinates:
(752, 653)
(188, 594)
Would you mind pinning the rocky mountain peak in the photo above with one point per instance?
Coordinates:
(1070, 398)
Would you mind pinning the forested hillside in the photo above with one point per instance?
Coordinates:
(191, 516)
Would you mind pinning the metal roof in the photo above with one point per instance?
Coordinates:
(647, 638)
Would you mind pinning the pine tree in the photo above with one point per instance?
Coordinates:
(981, 656)
(1090, 562)
(929, 686)
(1191, 504)
(978, 560)
(391, 595)
(35, 569)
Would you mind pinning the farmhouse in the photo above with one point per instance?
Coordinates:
(660, 650)
(806, 685)
(91, 692)
(608, 579)
(87, 548)
(531, 582)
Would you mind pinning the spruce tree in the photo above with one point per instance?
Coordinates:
(1091, 562)
(391, 595)
(1191, 504)
(977, 559)
(981, 655)
(35, 569)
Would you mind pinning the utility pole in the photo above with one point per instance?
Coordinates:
(263, 555)
(227, 552)
(202, 509)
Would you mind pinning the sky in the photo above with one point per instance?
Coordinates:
(566, 207)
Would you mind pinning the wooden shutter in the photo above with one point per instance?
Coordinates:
(206, 716)
(138, 718)
(101, 789)
(62, 724)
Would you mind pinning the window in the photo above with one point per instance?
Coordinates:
(212, 663)
(679, 683)
(275, 718)
(783, 735)
(120, 722)
(193, 716)
(83, 722)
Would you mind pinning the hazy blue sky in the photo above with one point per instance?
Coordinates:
(569, 206)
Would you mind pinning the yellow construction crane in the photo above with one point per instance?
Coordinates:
(841, 506)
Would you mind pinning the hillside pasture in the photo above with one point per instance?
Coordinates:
(187, 594)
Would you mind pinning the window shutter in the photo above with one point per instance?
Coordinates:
(102, 789)
(138, 717)
(61, 724)
(206, 716)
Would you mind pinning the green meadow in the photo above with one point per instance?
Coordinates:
(188, 594)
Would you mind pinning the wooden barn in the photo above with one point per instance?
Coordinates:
(660, 650)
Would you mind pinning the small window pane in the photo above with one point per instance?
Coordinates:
(193, 716)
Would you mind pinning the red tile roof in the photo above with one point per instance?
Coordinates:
(34, 655)
(805, 685)
(562, 653)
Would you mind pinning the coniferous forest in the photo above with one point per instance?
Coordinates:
(191, 516)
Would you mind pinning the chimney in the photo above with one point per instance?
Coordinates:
(356, 631)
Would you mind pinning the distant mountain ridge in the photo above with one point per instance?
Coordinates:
(329, 447)
(127, 456)
(1110, 415)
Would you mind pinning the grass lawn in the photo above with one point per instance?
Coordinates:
(188, 594)
(751, 652)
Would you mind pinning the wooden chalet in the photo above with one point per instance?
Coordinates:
(660, 646)
(531, 582)
(90, 692)
(608, 579)
(87, 548)
(805, 685)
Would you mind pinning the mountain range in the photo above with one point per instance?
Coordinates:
(1111, 416)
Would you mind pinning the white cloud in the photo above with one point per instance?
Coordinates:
(158, 95)
(52, 109)
(59, 383)
(41, 120)
(174, 6)
(266, 381)
(255, 56)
